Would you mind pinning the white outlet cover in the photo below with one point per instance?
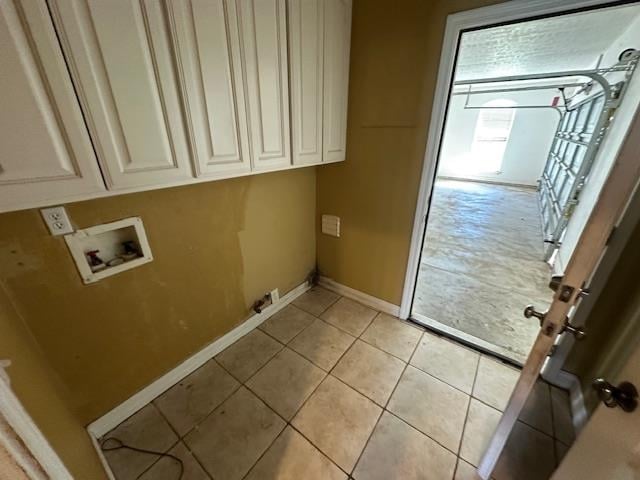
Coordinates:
(331, 225)
(275, 296)
(57, 220)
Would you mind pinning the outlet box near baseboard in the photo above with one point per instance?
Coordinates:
(275, 296)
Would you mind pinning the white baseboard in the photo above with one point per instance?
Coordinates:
(358, 296)
(571, 382)
(134, 403)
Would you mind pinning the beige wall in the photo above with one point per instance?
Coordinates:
(395, 52)
(217, 247)
(43, 396)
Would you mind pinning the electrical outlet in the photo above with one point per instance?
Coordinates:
(57, 220)
(275, 296)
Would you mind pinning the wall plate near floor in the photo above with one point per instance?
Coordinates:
(275, 296)
(107, 249)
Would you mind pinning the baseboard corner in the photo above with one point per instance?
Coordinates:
(358, 296)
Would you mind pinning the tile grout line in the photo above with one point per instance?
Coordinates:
(318, 449)
(264, 453)
(390, 412)
(406, 365)
(274, 439)
(384, 409)
(329, 373)
(159, 456)
(292, 338)
(421, 432)
(553, 427)
(181, 438)
(233, 392)
(289, 422)
(326, 308)
(466, 418)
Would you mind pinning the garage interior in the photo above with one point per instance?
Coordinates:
(526, 146)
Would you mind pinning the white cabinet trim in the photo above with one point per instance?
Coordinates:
(265, 130)
(336, 64)
(60, 159)
(201, 110)
(98, 91)
(307, 80)
(177, 135)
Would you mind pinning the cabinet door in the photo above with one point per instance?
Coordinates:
(263, 33)
(337, 42)
(208, 56)
(46, 152)
(119, 52)
(306, 33)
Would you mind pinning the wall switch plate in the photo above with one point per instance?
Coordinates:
(57, 220)
(331, 225)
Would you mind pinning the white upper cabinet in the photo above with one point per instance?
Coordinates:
(337, 42)
(263, 35)
(209, 64)
(106, 96)
(306, 38)
(46, 154)
(120, 54)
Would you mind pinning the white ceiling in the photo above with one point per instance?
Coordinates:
(562, 43)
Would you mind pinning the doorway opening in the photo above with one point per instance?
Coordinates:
(536, 113)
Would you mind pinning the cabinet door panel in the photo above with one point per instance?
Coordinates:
(337, 43)
(47, 155)
(263, 34)
(120, 53)
(306, 33)
(208, 47)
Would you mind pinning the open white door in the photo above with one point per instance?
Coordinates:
(611, 203)
(617, 428)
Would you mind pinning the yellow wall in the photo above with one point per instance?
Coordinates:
(217, 247)
(395, 50)
(40, 391)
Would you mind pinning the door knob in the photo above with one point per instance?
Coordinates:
(625, 395)
(530, 311)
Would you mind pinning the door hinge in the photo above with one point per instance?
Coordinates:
(566, 291)
(611, 235)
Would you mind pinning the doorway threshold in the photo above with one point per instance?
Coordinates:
(464, 338)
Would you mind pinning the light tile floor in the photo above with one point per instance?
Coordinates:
(365, 396)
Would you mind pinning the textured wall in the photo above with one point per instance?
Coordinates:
(395, 51)
(44, 397)
(217, 247)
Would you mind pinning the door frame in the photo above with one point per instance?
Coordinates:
(32, 452)
(483, 17)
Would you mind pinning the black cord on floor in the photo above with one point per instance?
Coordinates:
(120, 445)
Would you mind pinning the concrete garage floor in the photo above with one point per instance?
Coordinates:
(482, 264)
